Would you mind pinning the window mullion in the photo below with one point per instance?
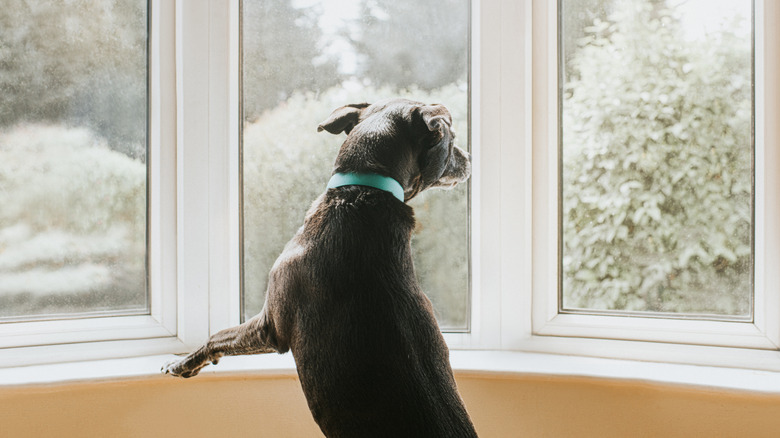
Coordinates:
(551, 329)
(767, 133)
(192, 154)
(224, 126)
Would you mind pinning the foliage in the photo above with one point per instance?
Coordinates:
(577, 15)
(406, 43)
(286, 166)
(657, 159)
(289, 89)
(281, 54)
(81, 62)
(73, 223)
(73, 113)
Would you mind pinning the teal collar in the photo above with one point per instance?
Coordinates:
(368, 179)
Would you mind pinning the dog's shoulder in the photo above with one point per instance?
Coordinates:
(358, 207)
(341, 220)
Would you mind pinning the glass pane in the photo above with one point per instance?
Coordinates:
(301, 60)
(657, 157)
(73, 127)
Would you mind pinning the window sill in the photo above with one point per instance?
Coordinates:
(466, 363)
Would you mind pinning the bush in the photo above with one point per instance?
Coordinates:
(73, 223)
(657, 168)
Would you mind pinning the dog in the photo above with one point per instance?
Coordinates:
(343, 296)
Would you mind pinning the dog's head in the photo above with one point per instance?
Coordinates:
(405, 140)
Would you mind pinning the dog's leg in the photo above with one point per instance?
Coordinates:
(251, 337)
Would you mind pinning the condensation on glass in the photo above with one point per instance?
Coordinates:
(657, 154)
(73, 148)
(303, 59)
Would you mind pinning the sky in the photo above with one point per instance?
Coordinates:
(702, 17)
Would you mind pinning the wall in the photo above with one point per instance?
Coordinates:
(500, 405)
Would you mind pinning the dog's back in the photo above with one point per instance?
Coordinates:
(370, 356)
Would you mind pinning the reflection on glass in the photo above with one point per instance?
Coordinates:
(301, 60)
(657, 156)
(73, 126)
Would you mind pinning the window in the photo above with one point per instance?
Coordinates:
(73, 159)
(724, 295)
(302, 60)
(511, 245)
(87, 181)
(657, 158)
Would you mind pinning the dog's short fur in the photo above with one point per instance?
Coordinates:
(343, 294)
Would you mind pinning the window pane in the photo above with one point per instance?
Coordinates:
(73, 127)
(301, 60)
(657, 156)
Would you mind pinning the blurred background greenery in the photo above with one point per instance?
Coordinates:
(657, 146)
(73, 127)
(300, 63)
(657, 179)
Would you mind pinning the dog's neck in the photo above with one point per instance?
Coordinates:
(370, 180)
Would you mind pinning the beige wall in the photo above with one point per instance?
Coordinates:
(501, 406)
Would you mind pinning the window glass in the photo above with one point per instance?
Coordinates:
(657, 157)
(301, 60)
(73, 174)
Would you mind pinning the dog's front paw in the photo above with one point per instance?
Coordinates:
(185, 367)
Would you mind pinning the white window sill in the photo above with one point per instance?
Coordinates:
(465, 363)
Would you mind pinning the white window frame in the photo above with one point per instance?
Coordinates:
(193, 200)
(194, 207)
(45, 341)
(516, 200)
(762, 333)
(547, 319)
(207, 60)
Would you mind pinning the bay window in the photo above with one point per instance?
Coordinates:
(623, 200)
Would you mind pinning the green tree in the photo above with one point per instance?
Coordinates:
(407, 43)
(657, 167)
(576, 15)
(81, 62)
(281, 54)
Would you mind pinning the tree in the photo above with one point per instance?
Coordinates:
(81, 62)
(657, 167)
(407, 43)
(576, 15)
(281, 54)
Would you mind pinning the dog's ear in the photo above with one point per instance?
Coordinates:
(343, 119)
(438, 121)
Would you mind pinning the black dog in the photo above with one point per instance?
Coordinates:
(343, 294)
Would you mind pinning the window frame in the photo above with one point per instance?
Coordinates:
(547, 319)
(207, 125)
(515, 212)
(160, 323)
(193, 233)
(194, 205)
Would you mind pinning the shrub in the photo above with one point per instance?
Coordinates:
(73, 223)
(657, 168)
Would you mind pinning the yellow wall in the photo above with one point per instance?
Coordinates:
(501, 406)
